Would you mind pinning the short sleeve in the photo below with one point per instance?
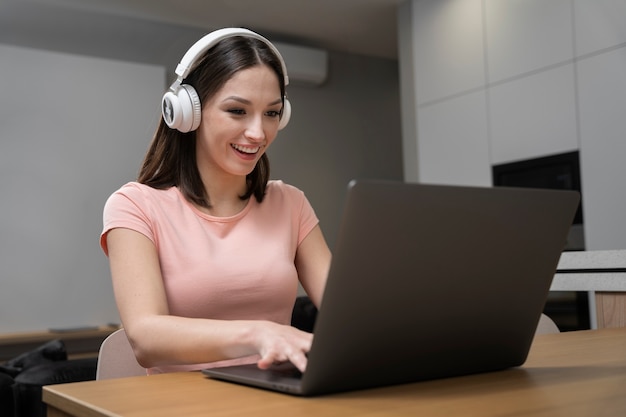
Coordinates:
(128, 208)
(286, 197)
(308, 218)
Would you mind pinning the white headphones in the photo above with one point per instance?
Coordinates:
(180, 105)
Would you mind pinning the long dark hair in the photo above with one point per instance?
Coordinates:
(171, 158)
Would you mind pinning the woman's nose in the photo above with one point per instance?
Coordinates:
(254, 130)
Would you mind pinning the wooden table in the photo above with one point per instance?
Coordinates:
(580, 373)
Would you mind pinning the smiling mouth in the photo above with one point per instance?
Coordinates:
(246, 149)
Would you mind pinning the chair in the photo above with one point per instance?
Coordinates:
(116, 358)
(546, 325)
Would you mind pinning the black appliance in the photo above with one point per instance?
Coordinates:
(570, 310)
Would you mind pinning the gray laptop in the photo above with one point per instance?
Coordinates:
(428, 282)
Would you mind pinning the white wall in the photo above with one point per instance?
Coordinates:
(73, 129)
(497, 81)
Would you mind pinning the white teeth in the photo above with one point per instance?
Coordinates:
(246, 150)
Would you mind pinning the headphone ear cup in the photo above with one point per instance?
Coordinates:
(181, 109)
(284, 119)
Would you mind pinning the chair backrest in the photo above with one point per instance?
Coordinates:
(546, 325)
(116, 358)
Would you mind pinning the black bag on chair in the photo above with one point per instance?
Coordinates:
(52, 351)
(27, 373)
(7, 406)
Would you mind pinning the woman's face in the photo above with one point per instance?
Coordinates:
(239, 123)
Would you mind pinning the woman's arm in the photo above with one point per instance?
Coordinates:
(313, 262)
(159, 338)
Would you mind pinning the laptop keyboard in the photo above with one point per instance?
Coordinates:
(286, 369)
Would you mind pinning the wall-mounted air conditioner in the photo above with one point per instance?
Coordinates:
(305, 65)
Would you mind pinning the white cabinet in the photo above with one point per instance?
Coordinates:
(520, 79)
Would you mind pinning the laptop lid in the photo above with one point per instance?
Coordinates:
(430, 281)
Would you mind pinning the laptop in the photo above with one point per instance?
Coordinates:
(428, 282)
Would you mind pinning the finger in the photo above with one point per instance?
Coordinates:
(298, 357)
(265, 363)
(300, 361)
(270, 358)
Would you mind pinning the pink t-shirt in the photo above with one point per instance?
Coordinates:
(239, 267)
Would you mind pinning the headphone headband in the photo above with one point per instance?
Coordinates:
(205, 43)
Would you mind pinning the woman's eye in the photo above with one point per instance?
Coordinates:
(273, 113)
(237, 111)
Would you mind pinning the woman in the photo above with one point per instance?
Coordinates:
(205, 252)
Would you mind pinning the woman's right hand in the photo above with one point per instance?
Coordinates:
(278, 343)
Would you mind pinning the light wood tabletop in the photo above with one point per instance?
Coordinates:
(572, 374)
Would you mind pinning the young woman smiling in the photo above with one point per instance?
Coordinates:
(206, 252)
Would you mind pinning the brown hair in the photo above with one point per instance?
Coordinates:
(171, 158)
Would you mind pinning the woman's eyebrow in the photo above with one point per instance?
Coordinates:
(237, 98)
(248, 102)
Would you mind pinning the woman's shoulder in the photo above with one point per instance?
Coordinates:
(283, 196)
(138, 188)
(277, 190)
(141, 193)
(289, 201)
(278, 186)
